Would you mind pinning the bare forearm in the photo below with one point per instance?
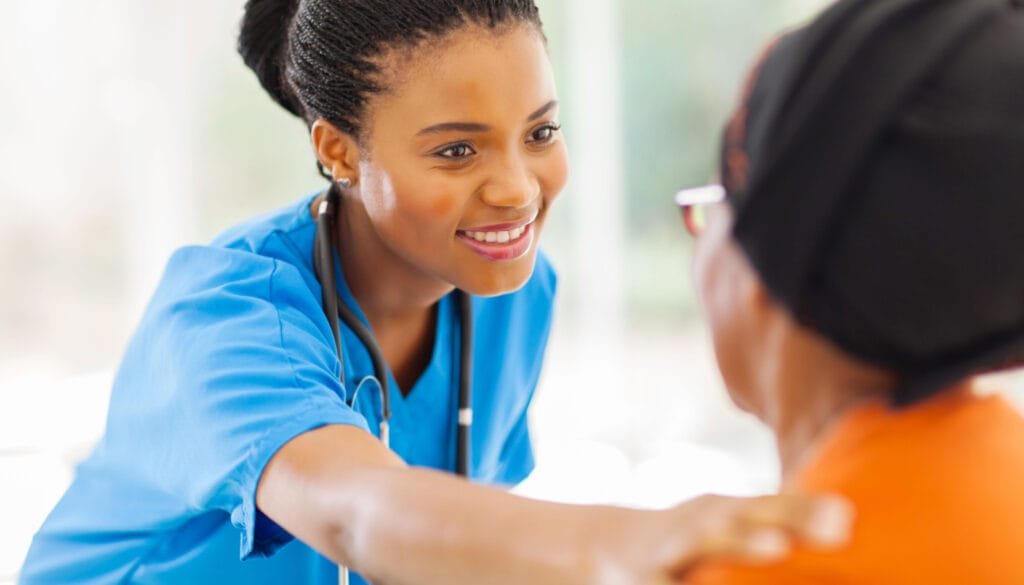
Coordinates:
(341, 492)
(416, 526)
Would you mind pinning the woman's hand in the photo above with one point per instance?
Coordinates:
(661, 547)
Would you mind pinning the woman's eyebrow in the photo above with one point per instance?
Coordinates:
(474, 127)
(542, 110)
(454, 127)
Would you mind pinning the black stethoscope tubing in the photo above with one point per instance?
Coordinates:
(334, 308)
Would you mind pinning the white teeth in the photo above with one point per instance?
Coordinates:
(498, 237)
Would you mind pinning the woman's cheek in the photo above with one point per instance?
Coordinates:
(378, 193)
(422, 203)
(443, 203)
(716, 300)
(556, 173)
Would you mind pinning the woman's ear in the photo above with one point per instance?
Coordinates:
(758, 295)
(764, 310)
(337, 151)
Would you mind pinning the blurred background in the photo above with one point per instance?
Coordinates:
(128, 129)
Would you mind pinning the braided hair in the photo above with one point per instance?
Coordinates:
(321, 58)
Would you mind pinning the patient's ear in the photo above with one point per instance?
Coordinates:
(764, 310)
(758, 294)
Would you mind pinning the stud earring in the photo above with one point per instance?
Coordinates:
(344, 183)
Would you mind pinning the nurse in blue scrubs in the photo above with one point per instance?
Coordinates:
(234, 454)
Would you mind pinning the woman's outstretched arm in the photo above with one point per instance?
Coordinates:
(341, 492)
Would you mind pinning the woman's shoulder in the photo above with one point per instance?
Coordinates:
(252, 259)
(288, 229)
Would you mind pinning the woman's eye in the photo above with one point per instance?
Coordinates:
(544, 134)
(456, 151)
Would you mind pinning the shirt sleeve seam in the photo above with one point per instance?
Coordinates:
(280, 331)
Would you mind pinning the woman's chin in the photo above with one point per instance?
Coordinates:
(499, 280)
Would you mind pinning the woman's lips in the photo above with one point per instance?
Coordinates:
(500, 243)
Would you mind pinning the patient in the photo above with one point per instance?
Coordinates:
(865, 266)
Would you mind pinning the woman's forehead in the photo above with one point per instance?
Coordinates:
(474, 74)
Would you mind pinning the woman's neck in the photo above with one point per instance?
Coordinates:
(398, 300)
(799, 432)
(809, 385)
(388, 289)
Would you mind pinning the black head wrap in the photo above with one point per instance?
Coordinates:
(876, 169)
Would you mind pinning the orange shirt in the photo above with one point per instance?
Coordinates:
(939, 496)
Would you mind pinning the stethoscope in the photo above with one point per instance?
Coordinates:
(323, 263)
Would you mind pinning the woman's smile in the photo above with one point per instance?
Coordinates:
(509, 241)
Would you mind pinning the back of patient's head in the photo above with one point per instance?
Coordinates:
(876, 171)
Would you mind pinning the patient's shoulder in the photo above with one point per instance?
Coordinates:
(937, 491)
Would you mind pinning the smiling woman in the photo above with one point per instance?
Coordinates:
(244, 422)
(454, 147)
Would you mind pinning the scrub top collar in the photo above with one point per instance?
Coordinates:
(432, 391)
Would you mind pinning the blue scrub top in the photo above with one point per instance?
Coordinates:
(234, 358)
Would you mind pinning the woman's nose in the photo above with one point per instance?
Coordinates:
(512, 184)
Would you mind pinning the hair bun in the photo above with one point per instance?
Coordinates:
(262, 42)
